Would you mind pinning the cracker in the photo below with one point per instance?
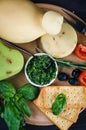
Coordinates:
(76, 99)
(70, 114)
(50, 94)
(60, 122)
(39, 101)
(75, 96)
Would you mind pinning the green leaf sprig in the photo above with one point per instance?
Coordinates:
(14, 105)
(59, 104)
(67, 63)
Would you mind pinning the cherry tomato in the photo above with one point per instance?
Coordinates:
(80, 51)
(82, 78)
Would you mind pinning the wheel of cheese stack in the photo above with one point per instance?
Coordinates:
(62, 44)
(22, 21)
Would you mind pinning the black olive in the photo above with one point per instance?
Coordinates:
(62, 76)
(73, 81)
(76, 73)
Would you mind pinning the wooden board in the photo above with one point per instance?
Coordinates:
(18, 80)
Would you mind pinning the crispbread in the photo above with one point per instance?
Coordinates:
(39, 101)
(75, 101)
(70, 114)
(60, 122)
(75, 96)
(49, 95)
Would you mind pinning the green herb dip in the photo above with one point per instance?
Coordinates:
(39, 71)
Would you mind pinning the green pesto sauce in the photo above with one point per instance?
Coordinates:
(38, 72)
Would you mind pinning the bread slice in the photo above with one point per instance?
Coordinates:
(75, 96)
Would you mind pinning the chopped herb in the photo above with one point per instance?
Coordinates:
(41, 69)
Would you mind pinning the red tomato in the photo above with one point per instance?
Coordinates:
(82, 78)
(80, 51)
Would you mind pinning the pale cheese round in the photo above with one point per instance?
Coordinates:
(62, 44)
(52, 22)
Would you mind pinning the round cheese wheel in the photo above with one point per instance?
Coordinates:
(62, 44)
(52, 22)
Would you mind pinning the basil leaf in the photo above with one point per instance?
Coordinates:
(23, 107)
(28, 91)
(11, 115)
(1, 108)
(59, 104)
(7, 89)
